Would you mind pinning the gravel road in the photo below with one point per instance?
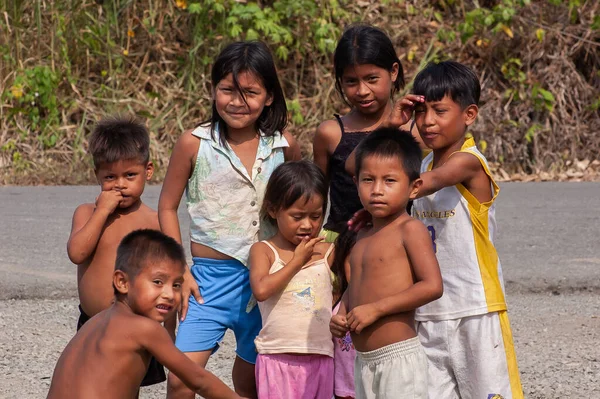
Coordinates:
(556, 338)
(548, 244)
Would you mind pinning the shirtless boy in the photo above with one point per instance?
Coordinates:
(394, 271)
(109, 356)
(120, 150)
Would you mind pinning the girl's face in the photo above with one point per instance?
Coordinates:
(368, 87)
(303, 219)
(235, 112)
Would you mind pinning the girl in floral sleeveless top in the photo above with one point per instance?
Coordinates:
(224, 165)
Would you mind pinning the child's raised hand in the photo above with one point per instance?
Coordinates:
(304, 250)
(362, 317)
(109, 200)
(403, 110)
(360, 219)
(338, 326)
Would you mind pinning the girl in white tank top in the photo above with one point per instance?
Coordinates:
(291, 279)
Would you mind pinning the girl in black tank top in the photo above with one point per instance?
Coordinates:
(367, 74)
(343, 194)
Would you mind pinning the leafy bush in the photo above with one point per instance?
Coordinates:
(538, 61)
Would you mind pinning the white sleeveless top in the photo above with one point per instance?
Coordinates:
(297, 319)
(223, 200)
(462, 230)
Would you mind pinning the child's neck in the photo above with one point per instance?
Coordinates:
(441, 155)
(372, 121)
(239, 136)
(282, 243)
(380, 223)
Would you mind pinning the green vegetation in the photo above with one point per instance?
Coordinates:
(66, 63)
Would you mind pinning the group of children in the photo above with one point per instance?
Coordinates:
(374, 304)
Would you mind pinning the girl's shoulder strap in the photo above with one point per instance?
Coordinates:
(273, 249)
(328, 253)
(339, 120)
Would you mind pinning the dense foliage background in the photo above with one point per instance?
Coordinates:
(66, 63)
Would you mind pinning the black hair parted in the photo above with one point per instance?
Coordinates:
(141, 248)
(343, 245)
(388, 142)
(256, 58)
(450, 78)
(363, 44)
(291, 181)
(118, 139)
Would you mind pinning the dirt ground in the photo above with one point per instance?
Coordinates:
(556, 338)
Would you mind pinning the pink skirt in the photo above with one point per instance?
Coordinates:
(343, 364)
(294, 376)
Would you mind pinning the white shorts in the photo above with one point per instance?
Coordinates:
(471, 358)
(396, 371)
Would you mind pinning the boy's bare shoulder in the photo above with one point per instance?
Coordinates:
(410, 226)
(83, 209)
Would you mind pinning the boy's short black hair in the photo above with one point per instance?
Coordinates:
(450, 78)
(388, 142)
(141, 248)
(117, 139)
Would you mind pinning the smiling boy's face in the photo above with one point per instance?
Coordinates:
(443, 123)
(155, 291)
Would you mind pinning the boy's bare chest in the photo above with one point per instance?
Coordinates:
(121, 225)
(377, 254)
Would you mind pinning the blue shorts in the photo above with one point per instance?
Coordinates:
(225, 288)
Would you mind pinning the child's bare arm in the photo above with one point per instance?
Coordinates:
(339, 324)
(263, 284)
(460, 168)
(327, 135)
(427, 287)
(291, 153)
(88, 222)
(178, 173)
(156, 340)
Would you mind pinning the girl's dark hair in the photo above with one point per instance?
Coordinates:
(365, 44)
(343, 245)
(291, 181)
(450, 78)
(253, 57)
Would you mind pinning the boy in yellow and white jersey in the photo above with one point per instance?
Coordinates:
(466, 333)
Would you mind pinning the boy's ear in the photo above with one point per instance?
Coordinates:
(149, 170)
(121, 282)
(355, 180)
(471, 114)
(416, 185)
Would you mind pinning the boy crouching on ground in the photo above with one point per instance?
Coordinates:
(110, 354)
